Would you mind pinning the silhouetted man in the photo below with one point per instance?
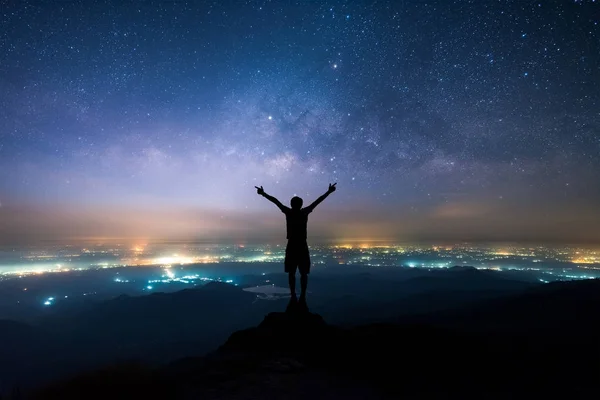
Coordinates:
(296, 252)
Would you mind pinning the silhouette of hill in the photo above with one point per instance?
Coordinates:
(11, 330)
(154, 329)
(25, 349)
(565, 308)
(300, 355)
(161, 327)
(432, 291)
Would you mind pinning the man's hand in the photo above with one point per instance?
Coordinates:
(260, 190)
(331, 188)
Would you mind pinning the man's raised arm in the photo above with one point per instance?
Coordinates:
(323, 197)
(272, 199)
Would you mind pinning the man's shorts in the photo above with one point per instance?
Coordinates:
(297, 256)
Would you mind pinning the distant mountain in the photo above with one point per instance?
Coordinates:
(440, 318)
(154, 329)
(14, 330)
(26, 350)
(432, 291)
(565, 308)
(299, 356)
(160, 326)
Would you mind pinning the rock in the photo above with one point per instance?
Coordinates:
(291, 334)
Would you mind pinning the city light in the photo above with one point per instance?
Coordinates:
(169, 272)
(561, 262)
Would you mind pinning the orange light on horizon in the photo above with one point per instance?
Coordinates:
(585, 260)
(139, 248)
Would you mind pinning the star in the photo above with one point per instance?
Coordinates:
(146, 107)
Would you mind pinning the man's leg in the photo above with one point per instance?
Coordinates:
(291, 307)
(303, 283)
(292, 282)
(290, 267)
(304, 268)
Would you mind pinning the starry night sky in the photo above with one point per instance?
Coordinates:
(440, 120)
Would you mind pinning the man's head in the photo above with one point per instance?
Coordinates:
(296, 203)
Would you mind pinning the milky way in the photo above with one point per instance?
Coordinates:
(435, 112)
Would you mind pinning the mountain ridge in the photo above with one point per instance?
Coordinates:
(291, 355)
